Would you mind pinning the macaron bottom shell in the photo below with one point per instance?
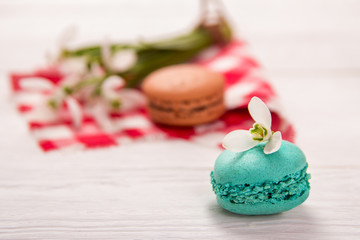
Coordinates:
(266, 208)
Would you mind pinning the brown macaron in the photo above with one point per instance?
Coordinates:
(184, 95)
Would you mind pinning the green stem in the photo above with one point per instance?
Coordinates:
(152, 55)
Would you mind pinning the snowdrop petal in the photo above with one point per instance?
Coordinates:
(101, 116)
(274, 143)
(76, 65)
(75, 111)
(106, 52)
(70, 80)
(123, 60)
(120, 61)
(239, 141)
(111, 84)
(96, 70)
(51, 56)
(131, 99)
(260, 112)
(36, 84)
(66, 36)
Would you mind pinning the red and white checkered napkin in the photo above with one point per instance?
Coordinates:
(243, 81)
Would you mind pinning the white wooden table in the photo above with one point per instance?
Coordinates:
(161, 190)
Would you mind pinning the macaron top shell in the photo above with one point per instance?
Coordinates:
(185, 81)
(254, 166)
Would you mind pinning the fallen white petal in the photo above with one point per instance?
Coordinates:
(239, 141)
(274, 143)
(111, 85)
(75, 111)
(36, 84)
(260, 112)
(123, 60)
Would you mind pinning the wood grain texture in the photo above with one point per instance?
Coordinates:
(161, 190)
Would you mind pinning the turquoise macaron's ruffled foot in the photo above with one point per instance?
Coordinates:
(262, 208)
(265, 198)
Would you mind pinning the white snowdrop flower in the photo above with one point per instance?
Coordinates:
(123, 60)
(120, 61)
(111, 85)
(242, 140)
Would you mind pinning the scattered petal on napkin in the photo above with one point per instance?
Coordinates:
(243, 81)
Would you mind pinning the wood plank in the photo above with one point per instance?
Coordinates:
(161, 190)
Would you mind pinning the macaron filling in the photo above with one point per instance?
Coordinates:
(187, 110)
(290, 187)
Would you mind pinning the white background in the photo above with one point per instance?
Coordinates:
(161, 190)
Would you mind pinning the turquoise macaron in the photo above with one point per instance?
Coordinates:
(255, 183)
